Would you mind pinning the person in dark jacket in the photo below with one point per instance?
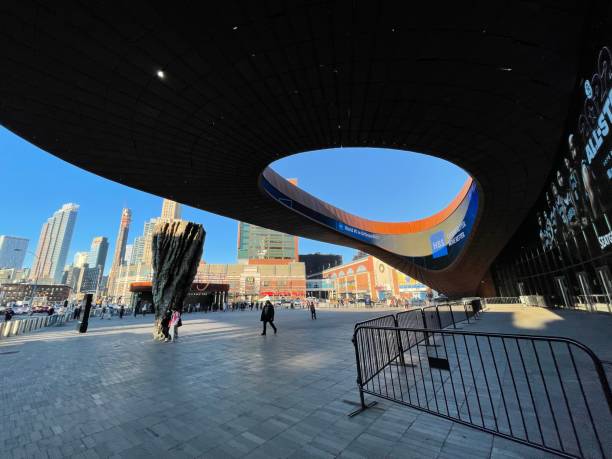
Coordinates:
(267, 316)
(8, 314)
(313, 311)
(121, 311)
(165, 324)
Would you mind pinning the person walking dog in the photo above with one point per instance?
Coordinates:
(267, 316)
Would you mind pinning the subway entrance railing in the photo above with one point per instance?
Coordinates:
(546, 392)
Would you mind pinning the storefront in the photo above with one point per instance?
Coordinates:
(201, 297)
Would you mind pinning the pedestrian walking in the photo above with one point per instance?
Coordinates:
(267, 316)
(8, 314)
(121, 311)
(313, 311)
(103, 312)
(175, 323)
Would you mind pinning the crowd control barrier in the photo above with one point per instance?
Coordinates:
(546, 392)
(22, 326)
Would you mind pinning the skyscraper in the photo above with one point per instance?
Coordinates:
(98, 252)
(12, 251)
(171, 210)
(80, 259)
(53, 244)
(137, 250)
(255, 242)
(147, 235)
(120, 242)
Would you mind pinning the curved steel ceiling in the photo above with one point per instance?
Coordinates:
(485, 85)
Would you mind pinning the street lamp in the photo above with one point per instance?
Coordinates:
(36, 275)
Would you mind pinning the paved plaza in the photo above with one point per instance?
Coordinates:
(224, 391)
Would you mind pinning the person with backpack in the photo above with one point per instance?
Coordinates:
(267, 316)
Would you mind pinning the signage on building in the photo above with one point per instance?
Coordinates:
(434, 247)
(573, 215)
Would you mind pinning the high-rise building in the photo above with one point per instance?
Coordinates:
(90, 278)
(171, 210)
(147, 235)
(80, 259)
(255, 242)
(13, 275)
(122, 236)
(98, 252)
(54, 243)
(12, 251)
(71, 276)
(120, 243)
(127, 257)
(137, 250)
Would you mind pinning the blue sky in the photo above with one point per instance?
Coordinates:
(378, 184)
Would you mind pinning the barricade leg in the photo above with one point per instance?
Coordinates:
(363, 405)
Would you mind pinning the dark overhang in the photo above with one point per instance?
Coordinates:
(194, 103)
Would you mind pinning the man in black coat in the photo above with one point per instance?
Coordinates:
(267, 316)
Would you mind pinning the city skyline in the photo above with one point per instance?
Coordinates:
(383, 194)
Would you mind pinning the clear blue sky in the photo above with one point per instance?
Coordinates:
(374, 183)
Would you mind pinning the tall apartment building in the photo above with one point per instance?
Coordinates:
(256, 242)
(80, 259)
(12, 251)
(54, 243)
(147, 242)
(171, 210)
(137, 250)
(98, 252)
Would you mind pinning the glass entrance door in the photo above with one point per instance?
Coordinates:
(585, 287)
(561, 284)
(603, 273)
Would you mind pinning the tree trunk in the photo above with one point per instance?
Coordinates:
(177, 249)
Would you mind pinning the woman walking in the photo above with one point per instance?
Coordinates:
(175, 323)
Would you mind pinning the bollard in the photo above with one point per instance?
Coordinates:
(85, 321)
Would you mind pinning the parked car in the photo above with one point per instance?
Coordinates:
(40, 310)
(21, 309)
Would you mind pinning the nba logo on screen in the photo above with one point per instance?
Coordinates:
(438, 246)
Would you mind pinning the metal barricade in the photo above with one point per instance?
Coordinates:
(502, 300)
(382, 321)
(547, 392)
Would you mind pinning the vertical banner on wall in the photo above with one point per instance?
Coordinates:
(574, 214)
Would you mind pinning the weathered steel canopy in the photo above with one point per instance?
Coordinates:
(193, 103)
